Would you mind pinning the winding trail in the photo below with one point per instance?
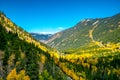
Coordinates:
(92, 38)
(90, 33)
(107, 46)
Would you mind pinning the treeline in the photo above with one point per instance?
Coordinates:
(104, 65)
(21, 55)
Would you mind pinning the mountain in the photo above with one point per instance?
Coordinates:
(90, 49)
(104, 30)
(24, 58)
(41, 37)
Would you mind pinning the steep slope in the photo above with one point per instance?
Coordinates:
(41, 37)
(24, 58)
(105, 30)
(91, 49)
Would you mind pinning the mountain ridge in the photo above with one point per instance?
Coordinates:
(25, 58)
(41, 37)
(79, 34)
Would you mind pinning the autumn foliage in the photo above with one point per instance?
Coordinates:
(13, 75)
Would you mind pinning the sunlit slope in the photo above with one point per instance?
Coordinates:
(23, 35)
(91, 49)
(24, 58)
(108, 30)
(105, 30)
(92, 62)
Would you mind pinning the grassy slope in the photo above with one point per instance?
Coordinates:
(107, 31)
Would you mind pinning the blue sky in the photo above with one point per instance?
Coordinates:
(51, 16)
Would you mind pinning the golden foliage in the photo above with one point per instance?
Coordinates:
(14, 76)
(94, 68)
(43, 58)
(81, 78)
(22, 55)
(68, 71)
(108, 71)
(10, 62)
(93, 61)
(1, 78)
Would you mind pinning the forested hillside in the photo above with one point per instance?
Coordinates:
(24, 58)
(91, 49)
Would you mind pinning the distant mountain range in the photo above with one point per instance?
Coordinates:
(41, 37)
(105, 30)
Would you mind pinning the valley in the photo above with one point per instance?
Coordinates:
(88, 51)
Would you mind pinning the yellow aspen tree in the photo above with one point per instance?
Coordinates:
(14, 76)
